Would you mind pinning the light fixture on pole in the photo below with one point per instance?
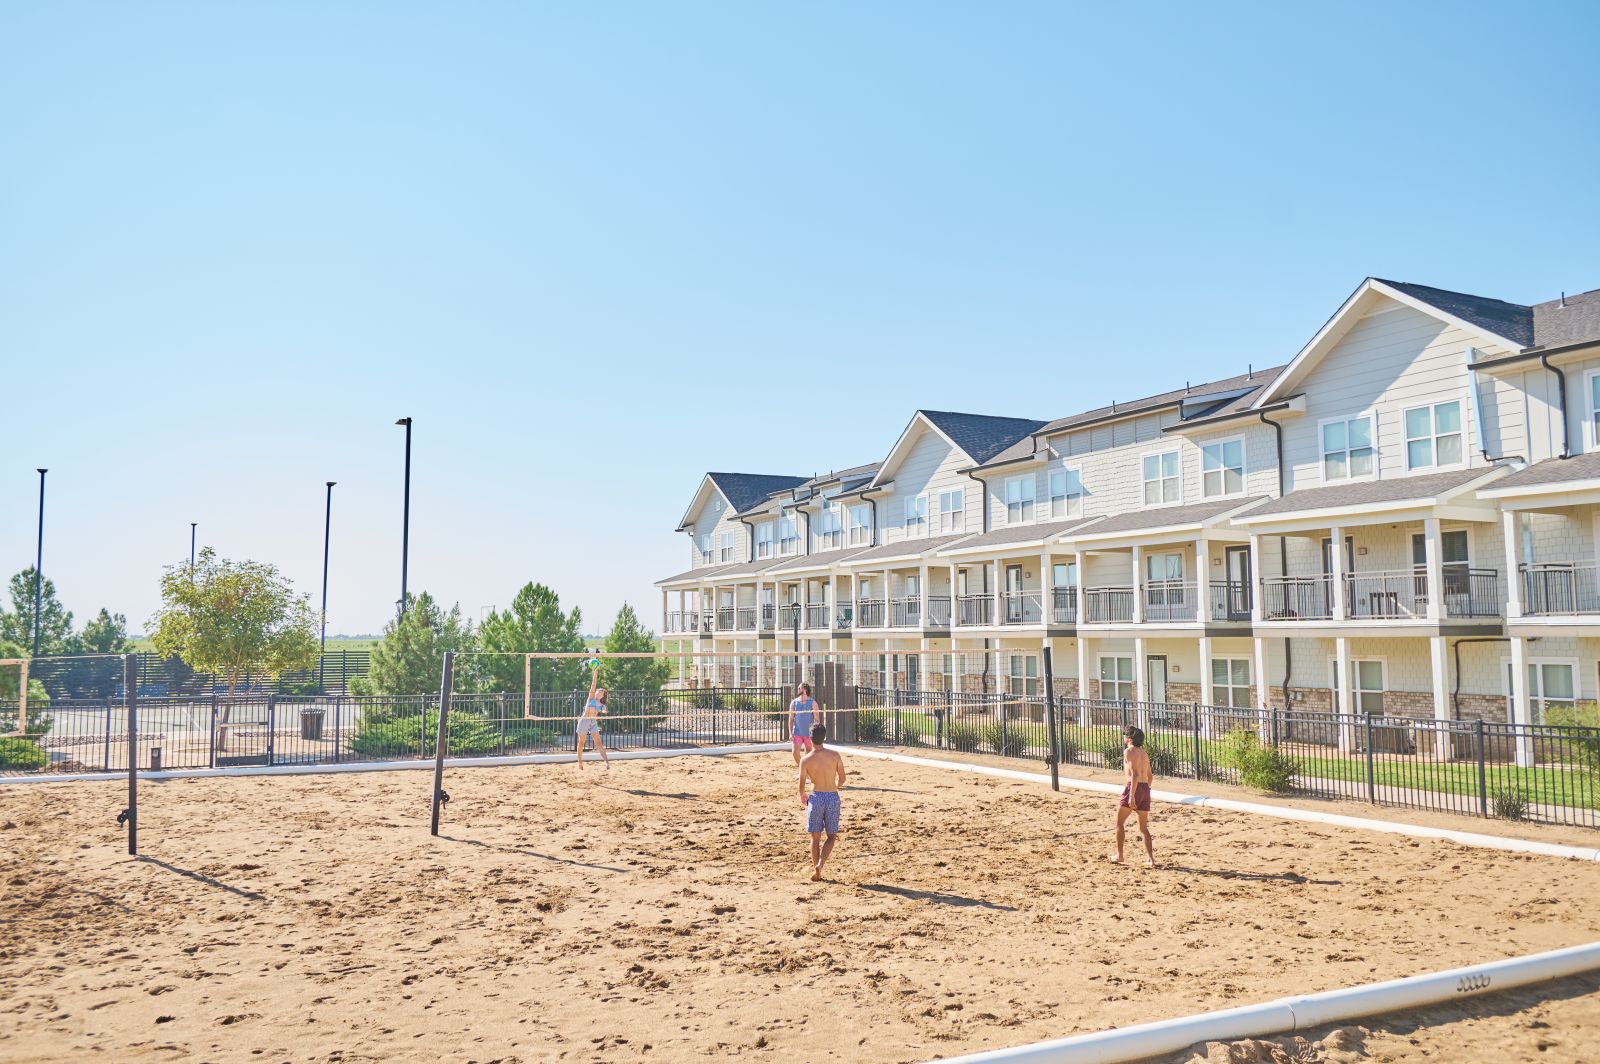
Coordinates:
(327, 525)
(38, 568)
(405, 519)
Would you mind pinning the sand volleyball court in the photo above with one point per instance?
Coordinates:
(659, 912)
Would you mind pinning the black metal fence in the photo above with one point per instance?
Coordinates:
(1515, 772)
(100, 677)
(74, 736)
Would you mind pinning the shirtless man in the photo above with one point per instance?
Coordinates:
(1135, 793)
(825, 770)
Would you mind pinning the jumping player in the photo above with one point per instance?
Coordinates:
(1135, 793)
(802, 714)
(825, 770)
(589, 723)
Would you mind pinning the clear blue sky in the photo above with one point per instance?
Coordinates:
(598, 249)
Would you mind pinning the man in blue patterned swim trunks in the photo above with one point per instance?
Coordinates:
(824, 770)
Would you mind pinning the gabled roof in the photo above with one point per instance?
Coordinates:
(746, 490)
(1369, 493)
(1510, 320)
(1153, 517)
(978, 436)
(1552, 472)
(1013, 535)
(906, 548)
(1568, 320)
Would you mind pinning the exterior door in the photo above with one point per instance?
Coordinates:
(1013, 594)
(913, 672)
(1156, 677)
(1237, 566)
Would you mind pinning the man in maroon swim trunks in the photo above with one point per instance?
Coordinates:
(1135, 793)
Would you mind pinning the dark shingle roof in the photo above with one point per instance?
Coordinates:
(1577, 322)
(1554, 471)
(817, 561)
(1511, 320)
(1366, 493)
(697, 573)
(1165, 516)
(744, 490)
(905, 548)
(981, 436)
(1013, 534)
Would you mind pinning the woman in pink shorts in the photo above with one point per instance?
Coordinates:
(802, 714)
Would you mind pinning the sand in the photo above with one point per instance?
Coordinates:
(660, 912)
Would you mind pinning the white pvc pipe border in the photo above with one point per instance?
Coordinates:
(1299, 1013)
(394, 766)
(1313, 816)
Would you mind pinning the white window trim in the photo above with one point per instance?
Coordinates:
(1133, 675)
(960, 525)
(1244, 467)
(1591, 420)
(1005, 498)
(771, 542)
(851, 526)
(1377, 457)
(1074, 500)
(1333, 669)
(1436, 466)
(1472, 540)
(1249, 676)
(906, 507)
(1577, 677)
(1155, 453)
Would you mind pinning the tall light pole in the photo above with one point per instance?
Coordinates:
(38, 568)
(405, 520)
(192, 525)
(327, 525)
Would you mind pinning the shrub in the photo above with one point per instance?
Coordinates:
(1110, 751)
(1068, 746)
(1266, 768)
(742, 703)
(1164, 759)
(1007, 742)
(1579, 728)
(468, 736)
(875, 726)
(1509, 803)
(964, 737)
(19, 753)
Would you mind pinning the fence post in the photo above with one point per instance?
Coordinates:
(272, 724)
(1054, 743)
(896, 721)
(338, 715)
(1005, 742)
(1372, 786)
(1194, 731)
(212, 740)
(443, 741)
(1122, 708)
(130, 687)
(108, 733)
(1483, 778)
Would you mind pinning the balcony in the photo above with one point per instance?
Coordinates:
(1020, 607)
(1107, 605)
(1395, 594)
(769, 617)
(817, 615)
(745, 619)
(683, 622)
(871, 613)
(1230, 601)
(905, 612)
(843, 617)
(789, 615)
(1553, 588)
(975, 610)
(1169, 600)
(1063, 605)
(938, 611)
(725, 616)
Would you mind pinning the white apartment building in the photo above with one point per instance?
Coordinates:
(1404, 518)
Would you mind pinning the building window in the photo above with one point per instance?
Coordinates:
(1230, 682)
(1162, 483)
(1366, 686)
(764, 538)
(1116, 677)
(1551, 685)
(1433, 436)
(917, 516)
(1347, 449)
(727, 546)
(1594, 410)
(747, 671)
(1024, 675)
(703, 545)
(861, 526)
(1066, 493)
(1222, 468)
(1019, 499)
(952, 511)
(830, 534)
(788, 534)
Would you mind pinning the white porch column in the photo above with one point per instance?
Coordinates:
(1521, 703)
(1141, 678)
(955, 609)
(1261, 687)
(1344, 694)
(1341, 608)
(664, 610)
(995, 593)
(1138, 585)
(833, 606)
(1255, 572)
(1434, 559)
(922, 607)
(1083, 677)
(1202, 580)
(1208, 691)
(1082, 608)
(1441, 698)
(1510, 525)
(1046, 591)
(888, 614)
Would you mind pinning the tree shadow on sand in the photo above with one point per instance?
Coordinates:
(1259, 877)
(199, 877)
(936, 897)
(518, 851)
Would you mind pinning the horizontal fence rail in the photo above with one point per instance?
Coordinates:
(158, 677)
(1539, 773)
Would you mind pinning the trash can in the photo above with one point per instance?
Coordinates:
(311, 722)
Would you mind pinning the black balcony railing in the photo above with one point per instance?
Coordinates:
(725, 616)
(817, 615)
(938, 611)
(975, 609)
(1230, 601)
(1169, 600)
(1020, 607)
(844, 617)
(1107, 605)
(1395, 594)
(746, 619)
(1560, 587)
(1472, 592)
(769, 616)
(906, 612)
(789, 615)
(1063, 605)
(1296, 598)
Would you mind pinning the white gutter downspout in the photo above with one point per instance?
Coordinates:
(1296, 1013)
(1477, 413)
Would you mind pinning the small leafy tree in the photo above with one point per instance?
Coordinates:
(21, 752)
(106, 634)
(408, 659)
(55, 620)
(628, 636)
(232, 618)
(534, 624)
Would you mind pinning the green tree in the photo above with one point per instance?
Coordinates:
(38, 705)
(409, 658)
(534, 624)
(628, 636)
(106, 634)
(55, 624)
(230, 618)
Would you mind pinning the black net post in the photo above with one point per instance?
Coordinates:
(130, 685)
(443, 742)
(1050, 721)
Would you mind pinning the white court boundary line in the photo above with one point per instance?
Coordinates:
(398, 766)
(1312, 816)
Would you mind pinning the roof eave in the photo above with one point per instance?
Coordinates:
(1293, 404)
